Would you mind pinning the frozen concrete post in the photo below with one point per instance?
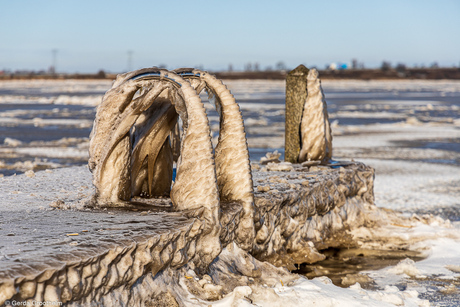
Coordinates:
(296, 94)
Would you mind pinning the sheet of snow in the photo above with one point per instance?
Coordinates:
(319, 292)
(408, 186)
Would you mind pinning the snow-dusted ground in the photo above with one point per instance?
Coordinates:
(409, 131)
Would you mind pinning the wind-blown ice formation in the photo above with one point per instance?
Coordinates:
(316, 137)
(231, 154)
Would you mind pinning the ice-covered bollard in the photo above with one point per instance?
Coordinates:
(308, 133)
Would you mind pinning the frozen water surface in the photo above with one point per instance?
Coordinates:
(409, 131)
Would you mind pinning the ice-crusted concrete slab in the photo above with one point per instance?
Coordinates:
(42, 258)
(22, 193)
(309, 209)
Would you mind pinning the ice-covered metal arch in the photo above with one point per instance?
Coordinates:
(131, 154)
(118, 151)
(118, 146)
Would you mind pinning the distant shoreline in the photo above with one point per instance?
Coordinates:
(356, 74)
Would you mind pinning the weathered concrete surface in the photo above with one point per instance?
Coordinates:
(118, 254)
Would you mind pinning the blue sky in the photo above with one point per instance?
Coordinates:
(97, 34)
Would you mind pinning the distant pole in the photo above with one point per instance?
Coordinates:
(130, 60)
(54, 55)
(296, 94)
